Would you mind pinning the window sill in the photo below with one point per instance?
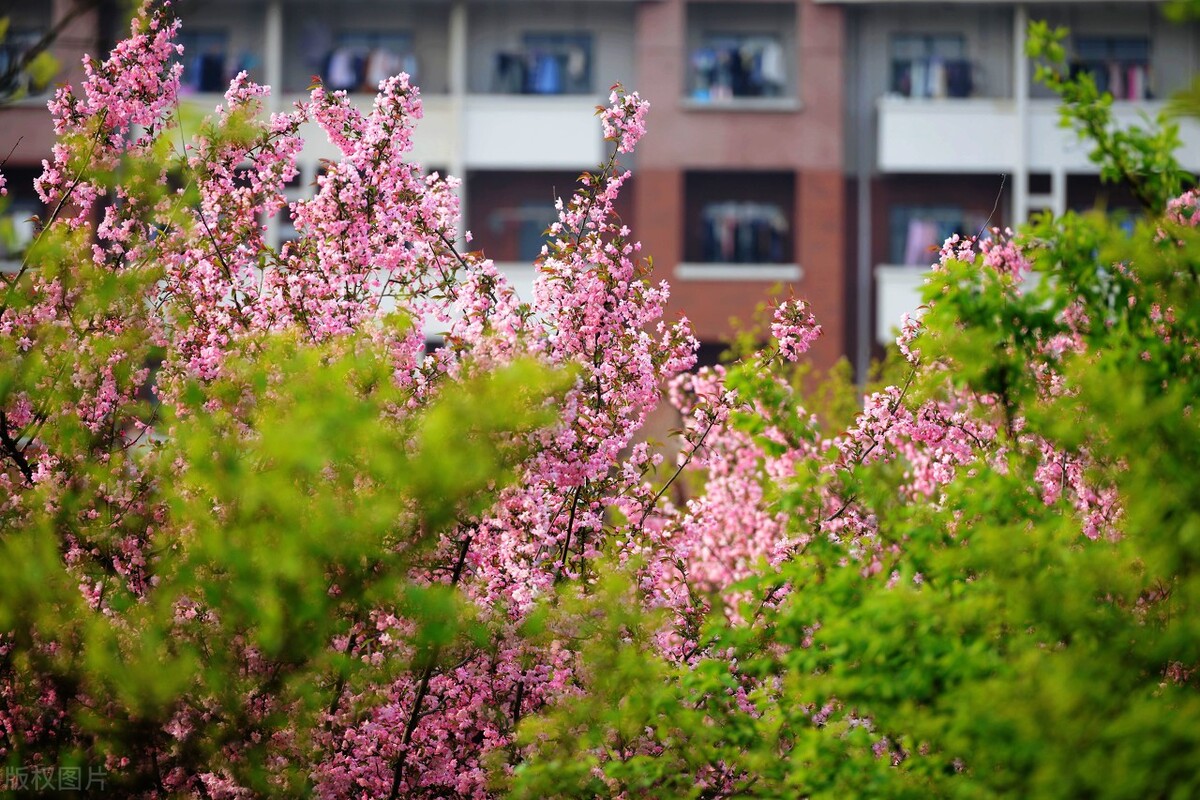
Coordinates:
(537, 95)
(739, 272)
(774, 105)
(38, 101)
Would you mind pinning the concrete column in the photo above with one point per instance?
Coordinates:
(273, 77)
(457, 53)
(1058, 191)
(273, 55)
(1020, 178)
(864, 127)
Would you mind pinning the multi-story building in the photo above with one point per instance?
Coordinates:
(948, 132)
(737, 189)
(823, 147)
(26, 133)
(739, 184)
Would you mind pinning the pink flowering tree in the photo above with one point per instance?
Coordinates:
(983, 585)
(354, 626)
(258, 540)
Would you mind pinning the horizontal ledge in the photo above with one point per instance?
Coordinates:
(774, 105)
(738, 272)
(906, 269)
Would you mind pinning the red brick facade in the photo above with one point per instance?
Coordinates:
(800, 139)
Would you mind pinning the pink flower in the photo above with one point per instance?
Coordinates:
(795, 328)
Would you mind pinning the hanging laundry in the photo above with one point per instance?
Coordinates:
(381, 64)
(341, 72)
(547, 74)
(772, 67)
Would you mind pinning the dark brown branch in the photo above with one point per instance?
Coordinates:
(423, 686)
(340, 688)
(13, 450)
(567, 541)
(80, 8)
(683, 465)
(12, 150)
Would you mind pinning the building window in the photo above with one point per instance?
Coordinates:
(1120, 65)
(740, 51)
(359, 60)
(728, 66)
(35, 76)
(547, 63)
(205, 60)
(743, 232)
(508, 212)
(930, 65)
(916, 233)
(739, 218)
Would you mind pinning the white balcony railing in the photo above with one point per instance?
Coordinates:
(982, 135)
(529, 132)
(897, 292)
(493, 131)
(434, 137)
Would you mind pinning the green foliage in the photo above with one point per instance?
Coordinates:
(303, 506)
(997, 652)
(1142, 158)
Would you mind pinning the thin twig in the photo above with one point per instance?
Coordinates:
(54, 214)
(682, 465)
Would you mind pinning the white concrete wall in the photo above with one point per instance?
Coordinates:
(956, 136)
(898, 292)
(950, 136)
(526, 132)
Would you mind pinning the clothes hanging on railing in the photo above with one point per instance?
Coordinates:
(932, 77)
(546, 76)
(743, 233)
(753, 66)
(343, 70)
(546, 70)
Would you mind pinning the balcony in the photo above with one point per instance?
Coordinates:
(982, 135)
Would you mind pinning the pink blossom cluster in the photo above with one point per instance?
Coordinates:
(624, 120)
(1000, 252)
(794, 328)
(1185, 209)
(910, 329)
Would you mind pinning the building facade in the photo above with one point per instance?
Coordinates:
(737, 191)
(26, 132)
(947, 131)
(821, 147)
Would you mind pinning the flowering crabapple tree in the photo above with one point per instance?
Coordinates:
(984, 586)
(304, 555)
